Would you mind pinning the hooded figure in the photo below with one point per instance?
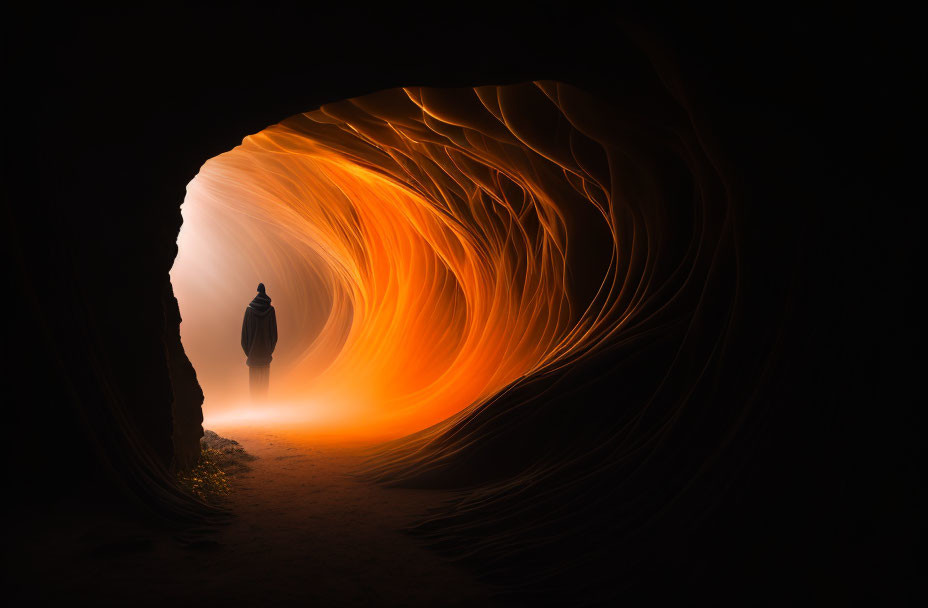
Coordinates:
(259, 337)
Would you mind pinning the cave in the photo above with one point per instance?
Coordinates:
(622, 303)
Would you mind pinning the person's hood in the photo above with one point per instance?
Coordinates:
(261, 304)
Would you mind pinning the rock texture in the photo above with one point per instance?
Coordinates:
(188, 397)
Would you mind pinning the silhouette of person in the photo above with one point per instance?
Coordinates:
(259, 337)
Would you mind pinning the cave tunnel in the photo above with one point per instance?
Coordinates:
(427, 248)
(575, 307)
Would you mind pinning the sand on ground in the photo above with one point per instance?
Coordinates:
(305, 531)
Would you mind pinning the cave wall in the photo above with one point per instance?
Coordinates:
(112, 114)
(186, 406)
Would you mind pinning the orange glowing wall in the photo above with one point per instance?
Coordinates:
(420, 247)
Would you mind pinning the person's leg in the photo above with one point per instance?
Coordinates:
(258, 381)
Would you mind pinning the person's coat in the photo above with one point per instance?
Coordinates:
(259, 331)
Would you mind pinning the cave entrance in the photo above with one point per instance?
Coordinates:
(415, 269)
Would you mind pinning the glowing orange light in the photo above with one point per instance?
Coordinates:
(416, 245)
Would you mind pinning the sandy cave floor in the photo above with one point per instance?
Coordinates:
(304, 531)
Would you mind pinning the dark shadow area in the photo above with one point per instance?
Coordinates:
(757, 447)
